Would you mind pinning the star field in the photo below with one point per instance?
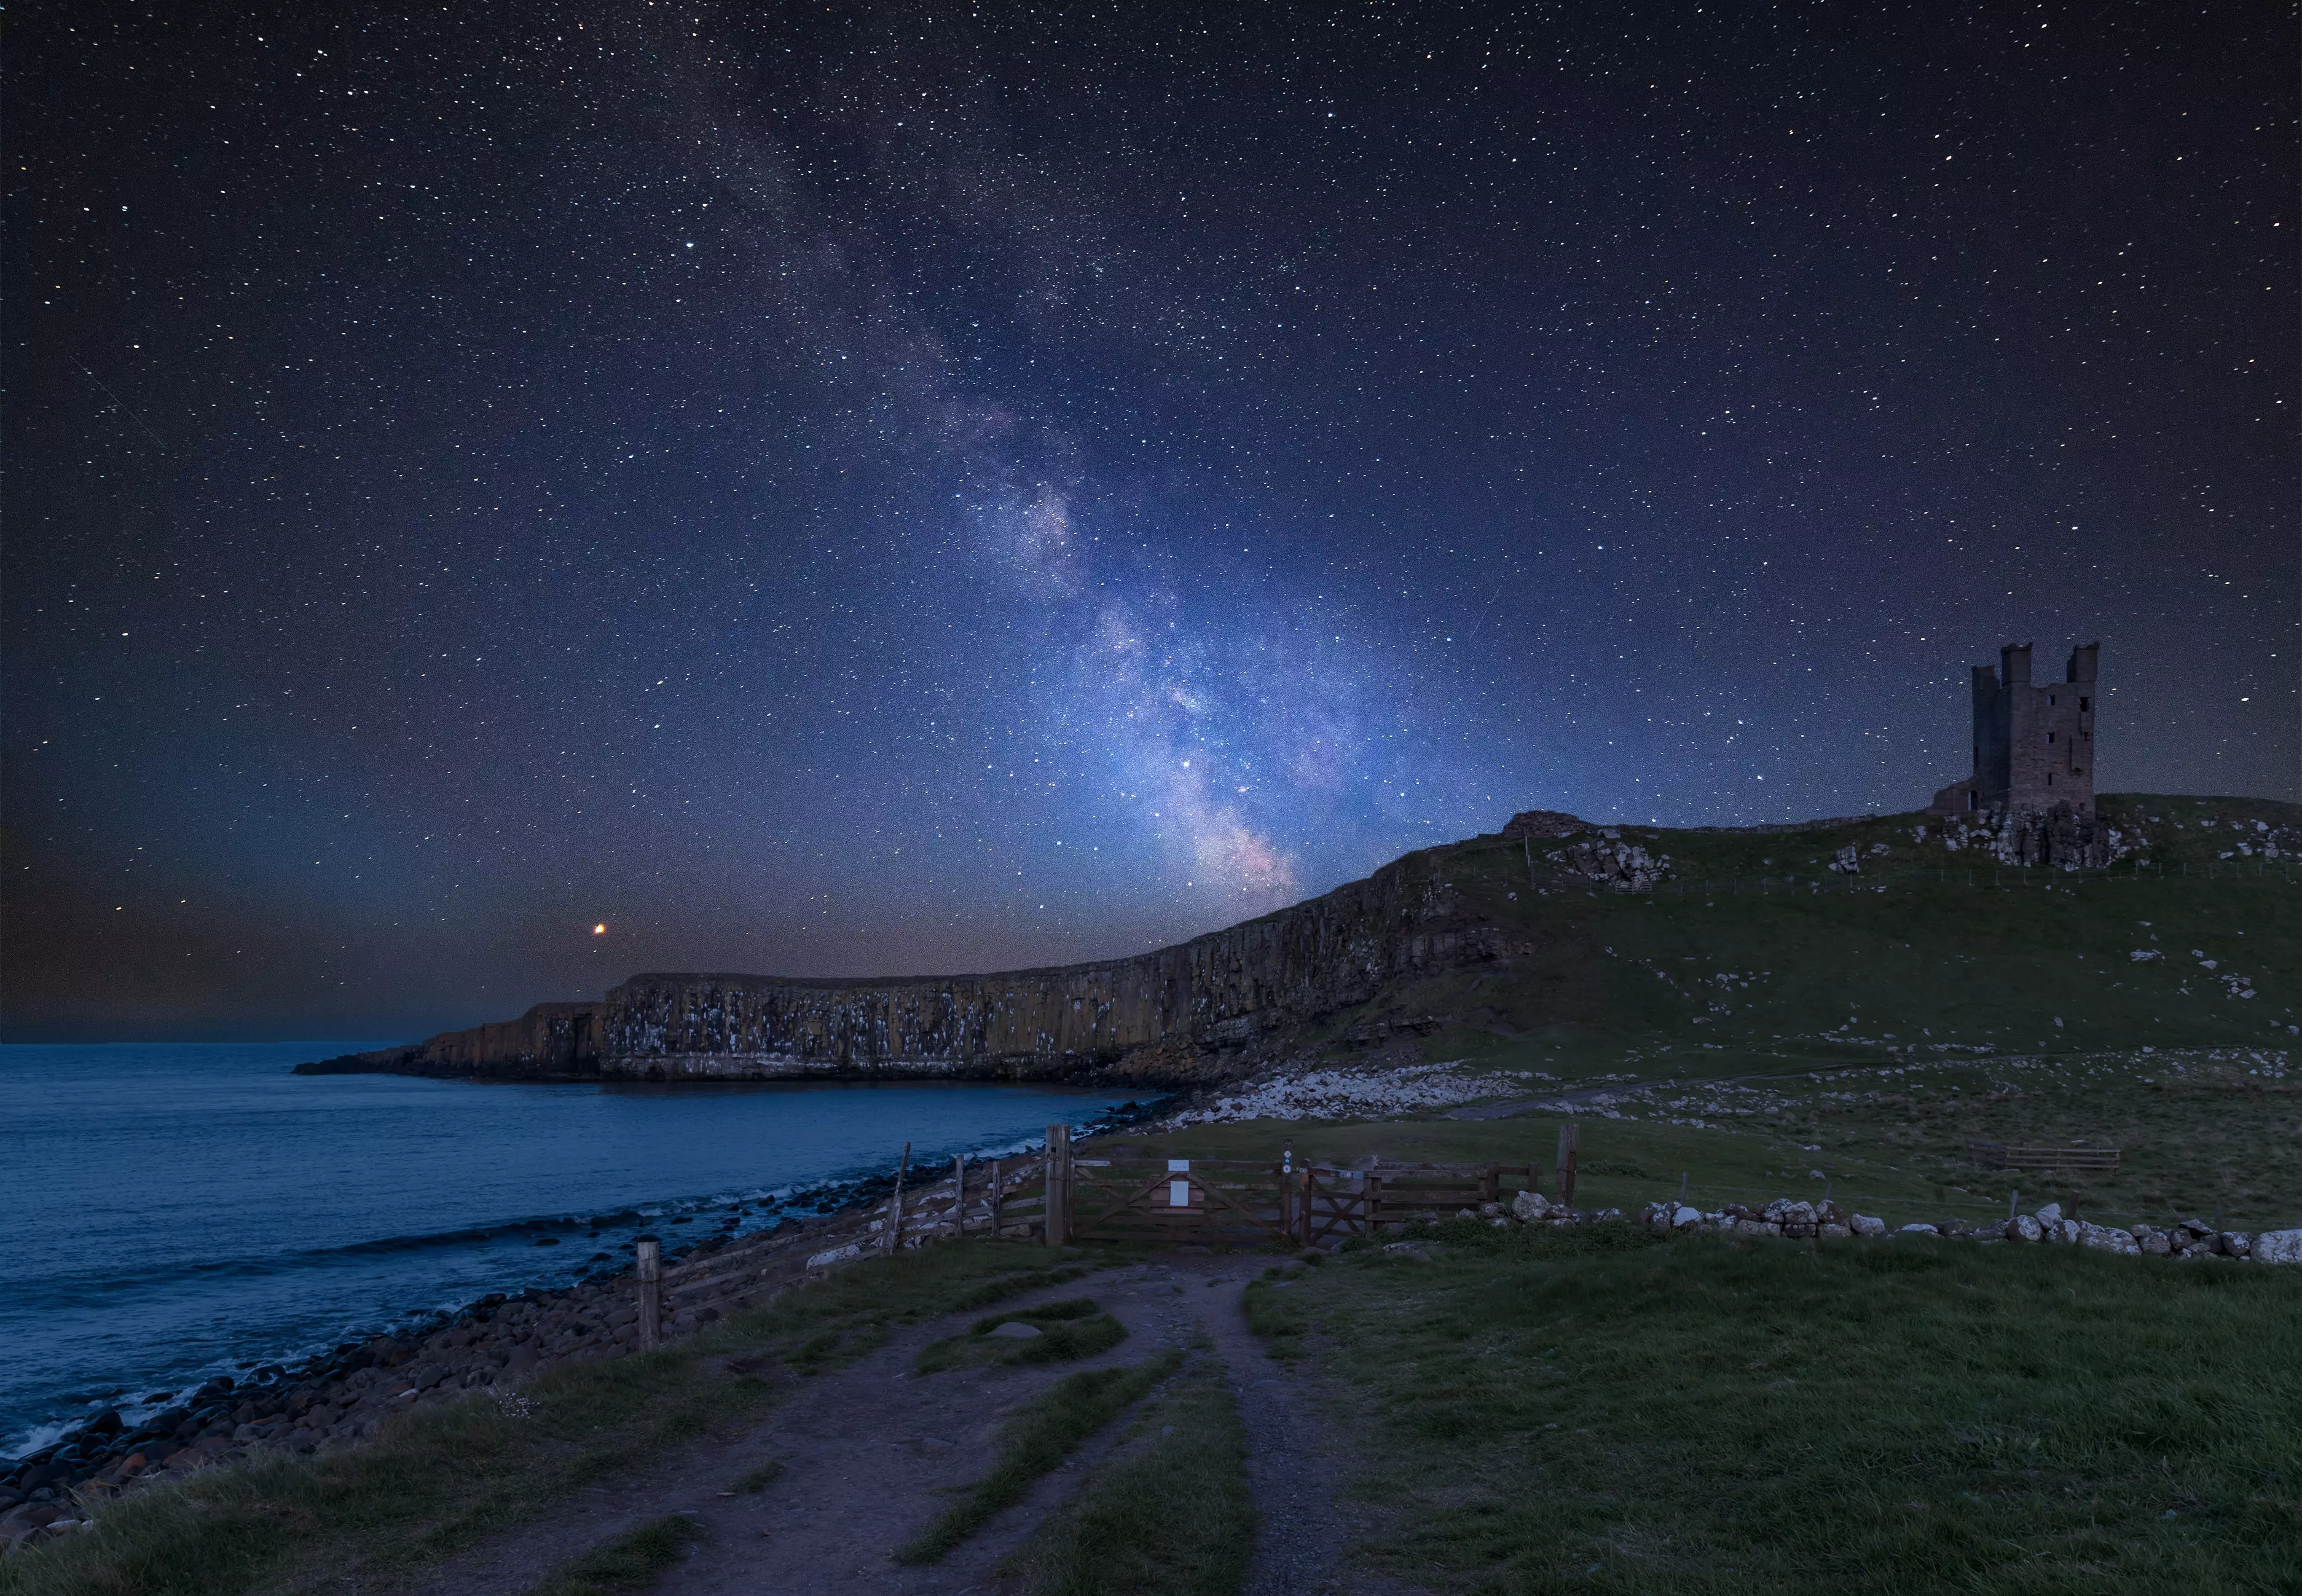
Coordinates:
(881, 489)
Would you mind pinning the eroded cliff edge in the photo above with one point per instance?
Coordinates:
(1153, 1018)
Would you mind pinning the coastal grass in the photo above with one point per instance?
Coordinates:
(1035, 1440)
(1168, 1514)
(632, 1561)
(1604, 1409)
(1072, 1329)
(440, 1479)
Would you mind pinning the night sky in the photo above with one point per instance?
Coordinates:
(848, 491)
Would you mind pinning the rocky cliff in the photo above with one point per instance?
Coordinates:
(1160, 1010)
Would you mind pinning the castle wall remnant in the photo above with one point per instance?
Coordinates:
(2033, 744)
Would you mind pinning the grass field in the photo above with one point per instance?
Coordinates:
(1604, 1411)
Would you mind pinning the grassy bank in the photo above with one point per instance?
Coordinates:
(440, 1480)
(1754, 954)
(1586, 1410)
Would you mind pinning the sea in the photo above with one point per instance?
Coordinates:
(180, 1210)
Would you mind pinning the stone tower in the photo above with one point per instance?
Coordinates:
(2033, 745)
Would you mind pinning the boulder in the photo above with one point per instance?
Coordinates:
(1015, 1330)
(1530, 1205)
(1919, 1227)
(2107, 1238)
(1832, 1233)
(1756, 1227)
(1682, 1216)
(2051, 1215)
(2277, 1247)
(2237, 1244)
(2155, 1243)
(1410, 1250)
(1864, 1224)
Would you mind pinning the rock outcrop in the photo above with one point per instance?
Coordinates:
(1222, 991)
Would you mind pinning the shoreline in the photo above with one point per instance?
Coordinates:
(330, 1397)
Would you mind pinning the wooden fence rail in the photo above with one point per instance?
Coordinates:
(1991, 1154)
(1059, 1197)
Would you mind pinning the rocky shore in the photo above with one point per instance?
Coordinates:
(340, 1397)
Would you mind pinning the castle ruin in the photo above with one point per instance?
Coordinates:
(2033, 745)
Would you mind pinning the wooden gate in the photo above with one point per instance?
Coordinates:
(1179, 1199)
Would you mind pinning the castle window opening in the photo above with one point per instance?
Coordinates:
(2084, 703)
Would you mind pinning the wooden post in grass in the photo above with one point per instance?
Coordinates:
(896, 1207)
(997, 1189)
(1491, 1183)
(650, 1271)
(1059, 1185)
(1570, 1141)
(959, 1194)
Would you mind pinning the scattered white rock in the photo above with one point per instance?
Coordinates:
(1347, 1094)
(1865, 1225)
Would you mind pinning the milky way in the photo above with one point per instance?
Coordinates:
(862, 491)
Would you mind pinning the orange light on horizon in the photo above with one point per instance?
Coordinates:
(600, 930)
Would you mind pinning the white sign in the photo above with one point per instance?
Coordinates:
(1176, 1166)
(1179, 1194)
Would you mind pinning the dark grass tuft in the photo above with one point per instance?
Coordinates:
(758, 1479)
(632, 1561)
(1065, 1336)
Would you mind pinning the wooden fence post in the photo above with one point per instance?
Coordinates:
(1059, 1185)
(896, 1207)
(650, 1271)
(1570, 1140)
(997, 1191)
(959, 1194)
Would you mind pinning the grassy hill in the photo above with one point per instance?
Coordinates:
(1762, 1025)
(1752, 954)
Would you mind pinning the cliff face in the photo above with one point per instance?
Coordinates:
(1220, 990)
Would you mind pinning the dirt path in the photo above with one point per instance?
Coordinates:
(869, 1453)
